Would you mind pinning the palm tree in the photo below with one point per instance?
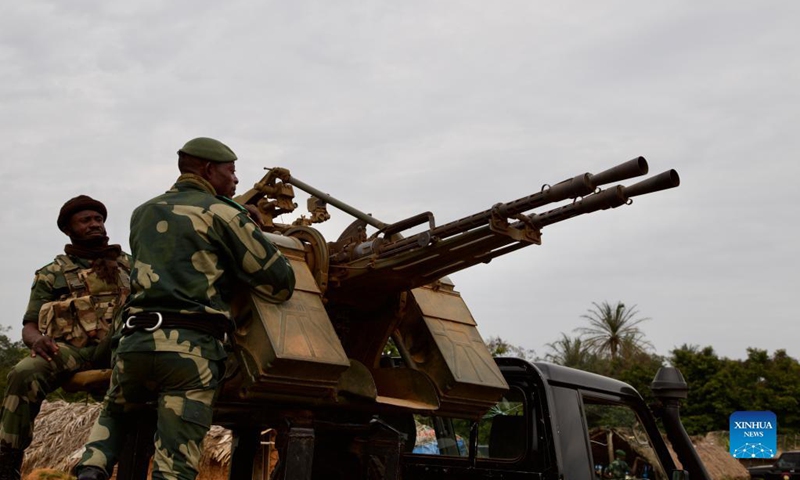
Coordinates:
(570, 352)
(613, 330)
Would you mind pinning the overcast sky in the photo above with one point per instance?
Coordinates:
(447, 106)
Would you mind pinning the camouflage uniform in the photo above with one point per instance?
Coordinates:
(617, 470)
(193, 251)
(74, 307)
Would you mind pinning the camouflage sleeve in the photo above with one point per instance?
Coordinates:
(43, 290)
(260, 264)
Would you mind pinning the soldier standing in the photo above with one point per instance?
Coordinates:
(193, 249)
(72, 303)
(618, 469)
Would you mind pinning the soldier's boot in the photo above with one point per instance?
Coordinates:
(91, 473)
(10, 463)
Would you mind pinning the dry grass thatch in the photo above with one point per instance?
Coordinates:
(717, 459)
(62, 429)
(48, 474)
(216, 458)
(59, 435)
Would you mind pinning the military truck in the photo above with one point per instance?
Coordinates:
(316, 370)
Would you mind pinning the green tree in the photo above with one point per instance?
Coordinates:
(612, 345)
(571, 352)
(637, 369)
(390, 349)
(720, 386)
(501, 348)
(769, 383)
(613, 330)
(709, 402)
(784, 379)
(10, 354)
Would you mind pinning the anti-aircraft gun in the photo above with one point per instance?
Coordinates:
(314, 367)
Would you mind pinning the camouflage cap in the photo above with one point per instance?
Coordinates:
(79, 204)
(208, 149)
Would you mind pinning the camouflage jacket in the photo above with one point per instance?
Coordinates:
(617, 469)
(192, 252)
(72, 304)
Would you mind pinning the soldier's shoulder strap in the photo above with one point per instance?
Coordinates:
(124, 262)
(70, 270)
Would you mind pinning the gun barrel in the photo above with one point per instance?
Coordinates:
(577, 186)
(632, 168)
(609, 198)
(418, 260)
(662, 181)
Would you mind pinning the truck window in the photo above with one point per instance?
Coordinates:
(502, 432)
(619, 442)
(442, 436)
(789, 460)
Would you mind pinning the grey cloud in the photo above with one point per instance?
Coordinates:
(450, 107)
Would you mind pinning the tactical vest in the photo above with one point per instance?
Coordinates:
(86, 314)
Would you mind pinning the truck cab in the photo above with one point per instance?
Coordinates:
(553, 422)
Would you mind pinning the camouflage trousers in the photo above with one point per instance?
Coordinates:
(29, 382)
(181, 388)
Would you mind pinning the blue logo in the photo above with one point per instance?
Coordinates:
(753, 434)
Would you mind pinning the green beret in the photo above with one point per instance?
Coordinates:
(79, 204)
(208, 149)
(620, 453)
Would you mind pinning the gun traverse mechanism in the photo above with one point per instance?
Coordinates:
(324, 346)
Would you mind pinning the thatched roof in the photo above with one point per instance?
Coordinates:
(62, 429)
(717, 459)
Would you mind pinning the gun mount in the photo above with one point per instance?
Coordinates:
(323, 348)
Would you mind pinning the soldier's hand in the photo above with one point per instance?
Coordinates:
(44, 347)
(254, 214)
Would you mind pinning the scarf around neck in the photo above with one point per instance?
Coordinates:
(104, 258)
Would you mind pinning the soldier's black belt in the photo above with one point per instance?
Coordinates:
(214, 325)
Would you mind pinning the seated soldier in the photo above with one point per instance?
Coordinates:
(72, 303)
